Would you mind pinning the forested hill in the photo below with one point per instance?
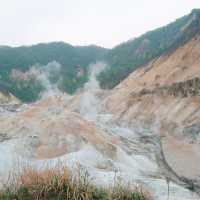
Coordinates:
(130, 55)
(18, 76)
(66, 54)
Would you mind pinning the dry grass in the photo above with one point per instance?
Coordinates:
(60, 184)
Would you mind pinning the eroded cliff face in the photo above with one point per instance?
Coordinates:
(188, 88)
(164, 96)
(161, 89)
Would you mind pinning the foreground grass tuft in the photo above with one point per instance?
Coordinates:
(59, 184)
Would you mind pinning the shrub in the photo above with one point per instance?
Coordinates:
(60, 184)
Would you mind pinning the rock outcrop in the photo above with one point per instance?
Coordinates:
(188, 88)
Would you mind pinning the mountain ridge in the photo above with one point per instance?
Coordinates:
(75, 60)
(127, 57)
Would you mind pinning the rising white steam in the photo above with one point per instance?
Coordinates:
(42, 75)
(94, 71)
(52, 68)
(89, 105)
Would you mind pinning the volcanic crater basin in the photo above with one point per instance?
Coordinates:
(47, 133)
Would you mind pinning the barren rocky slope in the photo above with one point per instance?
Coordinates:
(164, 96)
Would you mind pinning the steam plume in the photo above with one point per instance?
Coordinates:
(89, 103)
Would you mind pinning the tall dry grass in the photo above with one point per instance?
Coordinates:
(60, 184)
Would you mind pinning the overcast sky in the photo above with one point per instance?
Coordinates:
(82, 22)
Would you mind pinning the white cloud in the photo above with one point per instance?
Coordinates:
(80, 22)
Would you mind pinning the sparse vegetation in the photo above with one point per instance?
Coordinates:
(60, 184)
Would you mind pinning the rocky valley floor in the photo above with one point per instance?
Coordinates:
(65, 129)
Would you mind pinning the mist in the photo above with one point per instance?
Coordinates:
(47, 71)
(46, 77)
